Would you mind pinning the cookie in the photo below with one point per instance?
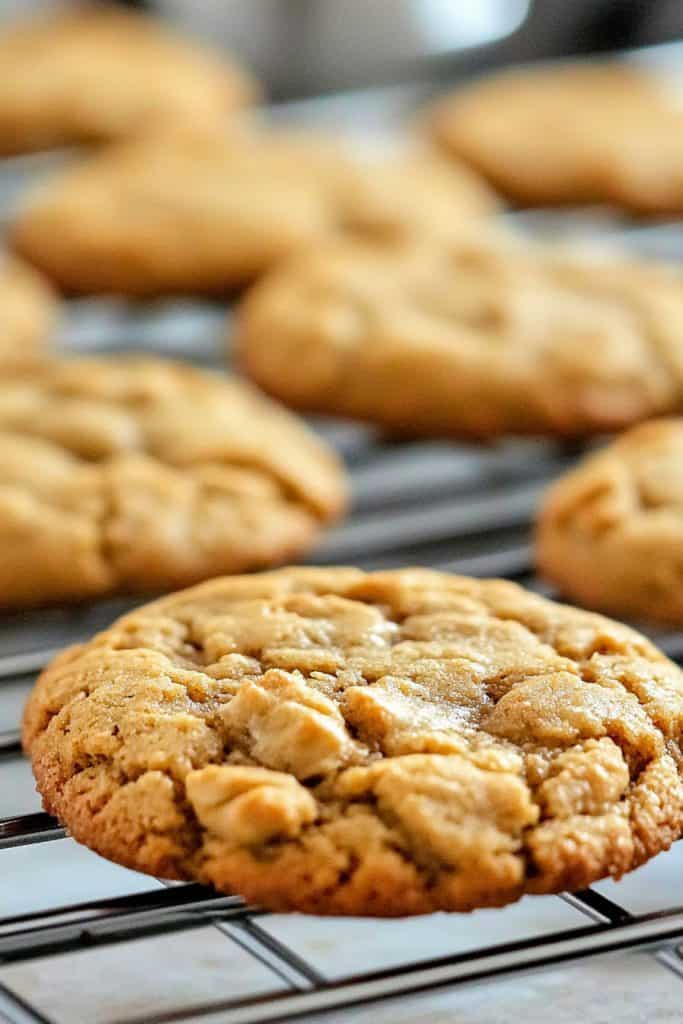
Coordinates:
(28, 312)
(204, 212)
(412, 192)
(336, 742)
(479, 337)
(97, 74)
(138, 474)
(576, 133)
(610, 532)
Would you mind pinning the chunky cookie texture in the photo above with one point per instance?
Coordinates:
(141, 474)
(96, 74)
(28, 312)
(478, 336)
(337, 742)
(207, 211)
(610, 532)
(606, 133)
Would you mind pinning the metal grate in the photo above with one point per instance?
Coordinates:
(477, 520)
(449, 506)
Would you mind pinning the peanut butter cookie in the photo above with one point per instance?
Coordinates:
(95, 74)
(337, 742)
(202, 212)
(141, 474)
(28, 312)
(477, 337)
(610, 532)
(593, 133)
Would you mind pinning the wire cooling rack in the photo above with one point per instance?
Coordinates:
(449, 506)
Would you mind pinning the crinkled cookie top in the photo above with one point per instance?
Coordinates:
(480, 335)
(611, 531)
(140, 473)
(390, 743)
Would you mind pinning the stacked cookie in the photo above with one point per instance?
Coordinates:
(328, 740)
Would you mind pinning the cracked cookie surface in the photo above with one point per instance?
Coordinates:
(28, 312)
(135, 473)
(591, 133)
(610, 532)
(94, 75)
(479, 336)
(206, 212)
(333, 741)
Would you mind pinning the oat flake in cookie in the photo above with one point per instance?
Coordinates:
(141, 474)
(477, 337)
(337, 742)
(610, 532)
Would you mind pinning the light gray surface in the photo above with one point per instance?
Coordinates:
(616, 990)
(13, 693)
(339, 946)
(137, 979)
(655, 886)
(58, 873)
(17, 793)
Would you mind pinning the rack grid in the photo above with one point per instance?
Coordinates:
(449, 506)
(479, 524)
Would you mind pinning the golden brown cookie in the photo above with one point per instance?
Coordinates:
(479, 337)
(576, 133)
(28, 312)
(412, 192)
(610, 532)
(204, 212)
(95, 74)
(141, 474)
(337, 742)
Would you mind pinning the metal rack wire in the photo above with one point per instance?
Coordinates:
(448, 506)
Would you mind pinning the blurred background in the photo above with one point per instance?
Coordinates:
(304, 47)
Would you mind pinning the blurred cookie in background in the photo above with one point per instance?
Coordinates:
(141, 474)
(577, 133)
(202, 212)
(96, 73)
(414, 191)
(478, 337)
(610, 532)
(28, 313)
